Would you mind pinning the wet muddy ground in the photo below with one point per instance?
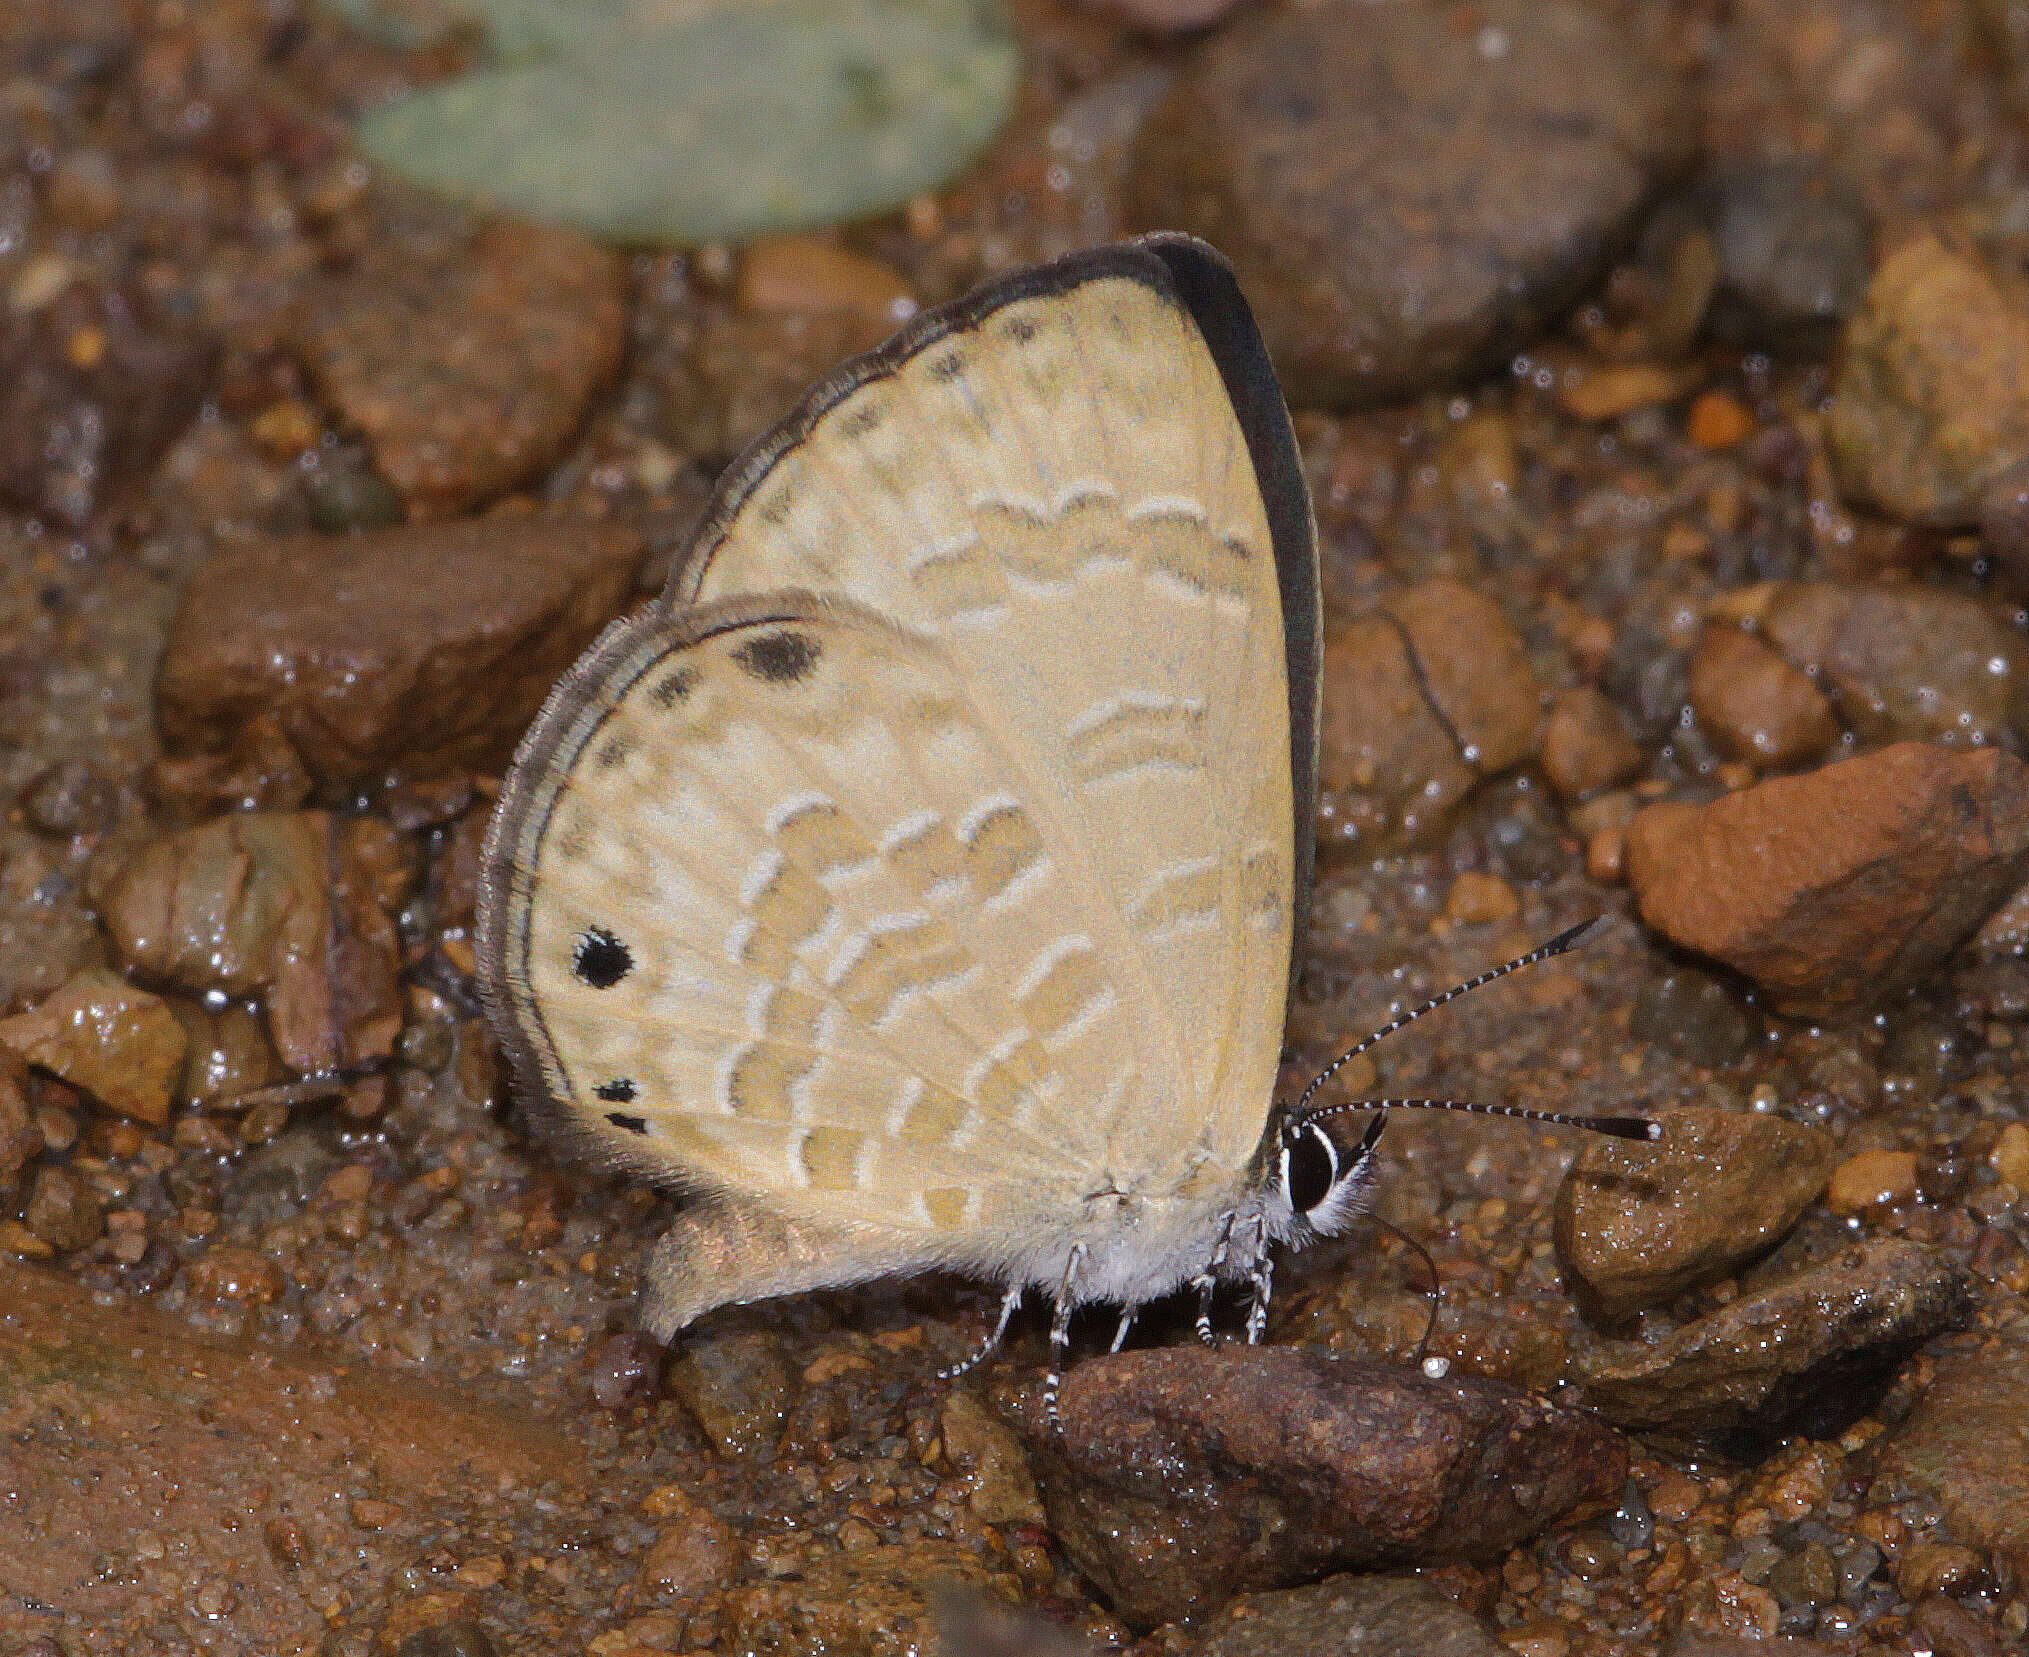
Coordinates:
(1673, 573)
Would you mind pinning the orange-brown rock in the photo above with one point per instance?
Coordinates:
(1833, 888)
(467, 360)
(417, 651)
(1755, 706)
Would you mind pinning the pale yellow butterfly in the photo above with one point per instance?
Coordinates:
(914, 885)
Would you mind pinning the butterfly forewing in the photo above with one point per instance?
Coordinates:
(1063, 496)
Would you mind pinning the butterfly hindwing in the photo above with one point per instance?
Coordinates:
(794, 920)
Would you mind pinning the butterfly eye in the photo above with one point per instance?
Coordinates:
(1310, 1167)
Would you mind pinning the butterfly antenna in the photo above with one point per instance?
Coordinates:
(1434, 1294)
(1621, 1127)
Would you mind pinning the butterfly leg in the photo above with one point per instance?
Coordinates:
(1262, 1276)
(1207, 1281)
(988, 1347)
(1060, 1338)
(1121, 1328)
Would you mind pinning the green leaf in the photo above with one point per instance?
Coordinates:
(681, 122)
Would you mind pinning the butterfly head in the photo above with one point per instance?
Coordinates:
(1323, 1181)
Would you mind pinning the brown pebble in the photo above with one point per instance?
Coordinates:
(1606, 856)
(286, 1541)
(370, 1514)
(1936, 1568)
(1756, 706)
(2010, 1155)
(692, 1553)
(1718, 420)
(1586, 744)
(802, 274)
(18, 1240)
(62, 1210)
(420, 650)
(234, 1274)
(1610, 390)
(467, 363)
(1932, 398)
(284, 429)
(1478, 899)
(1872, 1180)
(269, 904)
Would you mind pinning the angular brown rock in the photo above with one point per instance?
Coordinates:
(1835, 888)
(117, 1041)
(1792, 1358)
(279, 905)
(417, 651)
(1641, 1224)
(468, 359)
(1185, 1475)
(1932, 400)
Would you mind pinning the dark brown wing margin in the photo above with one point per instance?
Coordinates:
(1188, 272)
(1206, 284)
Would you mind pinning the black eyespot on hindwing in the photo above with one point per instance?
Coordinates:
(601, 959)
(619, 1091)
(1310, 1167)
(779, 658)
(633, 1124)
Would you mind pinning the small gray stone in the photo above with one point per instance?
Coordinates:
(1793, 252)
(1408, 192)
(1693, 1015)
(1349, 1616)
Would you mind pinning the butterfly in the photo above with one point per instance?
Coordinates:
(914, 884)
